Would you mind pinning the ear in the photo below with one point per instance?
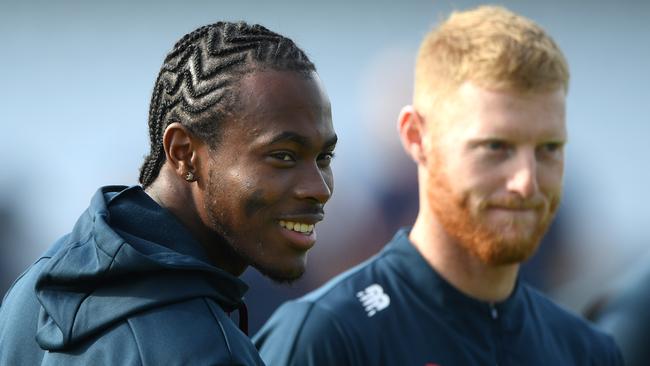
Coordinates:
(411, 131)
(181, 149)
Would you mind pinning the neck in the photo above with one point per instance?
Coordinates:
(177, 197)
(460, 268)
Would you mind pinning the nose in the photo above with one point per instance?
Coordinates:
(315, 184)
(523, 180)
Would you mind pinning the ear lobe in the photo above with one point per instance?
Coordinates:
(411, 131)
(180, 149)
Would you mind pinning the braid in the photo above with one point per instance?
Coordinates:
(196, 85)
(155, 158)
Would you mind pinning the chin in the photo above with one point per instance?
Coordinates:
(284, 275)
(510, 257)
(499, 251)
(499, 244)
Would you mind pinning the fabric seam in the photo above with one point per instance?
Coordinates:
(135, 339)
(223, 331)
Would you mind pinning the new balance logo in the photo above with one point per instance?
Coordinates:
(373, 299)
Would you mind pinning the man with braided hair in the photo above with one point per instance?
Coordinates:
(486, 130)
(238, 174)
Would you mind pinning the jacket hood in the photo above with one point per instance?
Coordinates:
(125, 255)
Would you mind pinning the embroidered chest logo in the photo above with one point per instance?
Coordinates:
(373, 299)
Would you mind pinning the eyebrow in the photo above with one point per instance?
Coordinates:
(290, 136)
(489, 138)
(300, 139)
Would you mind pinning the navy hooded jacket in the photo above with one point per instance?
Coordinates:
(128, 286)
(395, 309)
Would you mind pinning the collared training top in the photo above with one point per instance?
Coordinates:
(128, 286)
(394, 309)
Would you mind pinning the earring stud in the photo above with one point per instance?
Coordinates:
(190, 177)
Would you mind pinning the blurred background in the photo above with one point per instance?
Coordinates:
(76, 78)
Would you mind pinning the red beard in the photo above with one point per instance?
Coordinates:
(492, 244)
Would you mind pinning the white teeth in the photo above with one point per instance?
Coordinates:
(297, 226)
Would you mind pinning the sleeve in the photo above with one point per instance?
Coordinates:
(617, 358)
(628, 334)
(627, 319)
(302, 333)
(605, 351)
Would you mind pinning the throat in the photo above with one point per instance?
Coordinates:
(460, 268)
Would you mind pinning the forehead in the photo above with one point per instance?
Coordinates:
(272, 100)
(271, 92)
(479, 112)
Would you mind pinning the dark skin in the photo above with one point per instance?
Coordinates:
(271, 166)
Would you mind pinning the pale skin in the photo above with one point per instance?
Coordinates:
(493, 147)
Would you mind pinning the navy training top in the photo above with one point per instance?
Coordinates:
(394, 309)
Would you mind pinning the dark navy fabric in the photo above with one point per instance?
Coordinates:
(128, 286)
(625, 314)
(395, 309)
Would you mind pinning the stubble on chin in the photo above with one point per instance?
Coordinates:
(281, 276)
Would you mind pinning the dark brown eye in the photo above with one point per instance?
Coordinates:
(326, 158)
(284, 156)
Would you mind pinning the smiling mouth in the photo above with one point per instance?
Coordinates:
(299, 227)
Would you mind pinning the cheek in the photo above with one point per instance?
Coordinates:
(477, 184)
(550, 178)
(469, 172)
(261, 191)
(254, 202)
(234, 191)
(477, 189)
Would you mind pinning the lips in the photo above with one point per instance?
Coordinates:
(513, 209)
(310, 218)
(517, 204)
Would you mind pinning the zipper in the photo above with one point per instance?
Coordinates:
(498, 336)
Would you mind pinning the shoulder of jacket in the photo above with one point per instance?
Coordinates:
(576, 333)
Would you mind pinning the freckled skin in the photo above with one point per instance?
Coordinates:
(256, 178)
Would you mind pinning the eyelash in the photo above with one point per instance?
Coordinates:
(501, 147)
(496, 146)
(282, 156)
(552, 147)
(330, 155)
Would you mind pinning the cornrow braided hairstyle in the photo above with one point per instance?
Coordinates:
(197, 83)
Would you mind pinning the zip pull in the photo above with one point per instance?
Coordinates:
(494, 313)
